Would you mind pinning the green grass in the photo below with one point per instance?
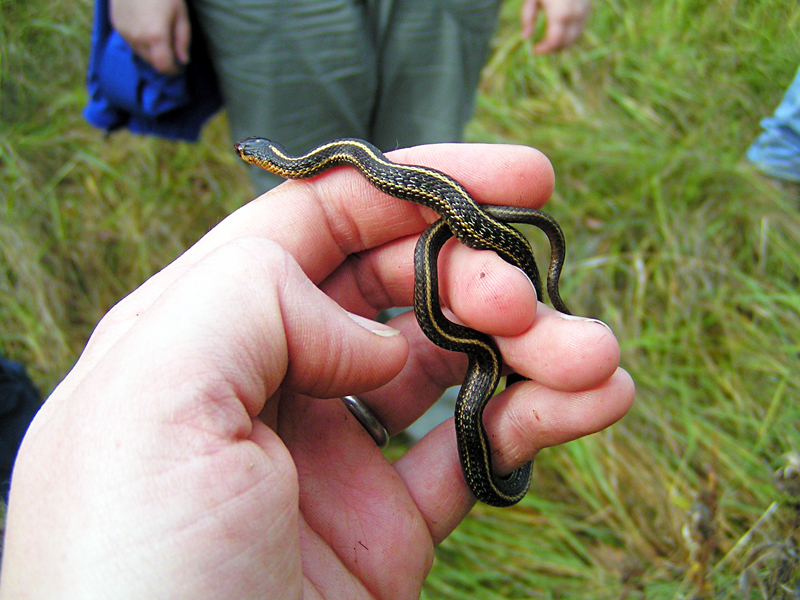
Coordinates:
(674, 240)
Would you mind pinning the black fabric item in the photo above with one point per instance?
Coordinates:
(19, 401)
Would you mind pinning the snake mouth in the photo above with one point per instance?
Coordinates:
(247, 148)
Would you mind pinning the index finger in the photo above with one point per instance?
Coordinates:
(341, 213)
(322, 220)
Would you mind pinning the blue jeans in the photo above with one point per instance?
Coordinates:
(776, 152)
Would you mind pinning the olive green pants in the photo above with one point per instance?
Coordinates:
(395, 72)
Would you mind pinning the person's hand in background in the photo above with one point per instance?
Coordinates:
(158, 31)
(565, 22)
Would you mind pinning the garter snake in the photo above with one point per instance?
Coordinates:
(478, 227)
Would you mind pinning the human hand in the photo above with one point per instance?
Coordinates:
(157, 30)
(565, 22)
(197, 448)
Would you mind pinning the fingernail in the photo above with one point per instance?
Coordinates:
(373, 326)
(586, 319)
(526, 277)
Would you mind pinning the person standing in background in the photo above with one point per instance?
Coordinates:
(396, 73)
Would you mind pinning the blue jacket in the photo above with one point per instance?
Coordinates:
(125, 91)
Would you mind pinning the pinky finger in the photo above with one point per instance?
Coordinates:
(519, 422)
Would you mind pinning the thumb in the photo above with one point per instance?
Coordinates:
(249, 315)
(241, 323)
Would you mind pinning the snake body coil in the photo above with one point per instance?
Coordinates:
(481, 228)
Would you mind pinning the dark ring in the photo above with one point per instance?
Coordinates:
(367, 419)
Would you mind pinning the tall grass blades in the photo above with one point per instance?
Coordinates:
(674, 240)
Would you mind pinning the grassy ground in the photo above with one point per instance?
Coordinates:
(688, 254)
